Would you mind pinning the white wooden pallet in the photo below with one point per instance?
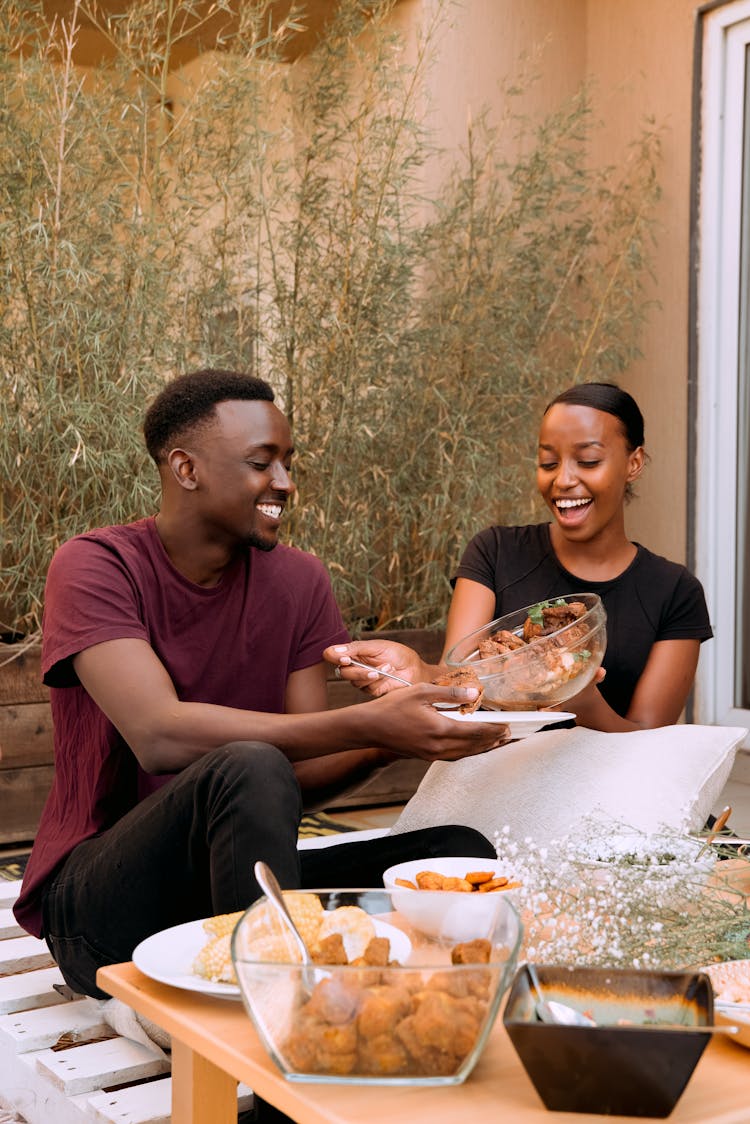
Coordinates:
(101, 1077)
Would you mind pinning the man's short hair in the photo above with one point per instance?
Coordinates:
(189, 401)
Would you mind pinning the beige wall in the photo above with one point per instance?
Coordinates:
(639, 55)
(488, 43)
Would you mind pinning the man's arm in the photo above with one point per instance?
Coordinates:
(131, 686)
(307, 691)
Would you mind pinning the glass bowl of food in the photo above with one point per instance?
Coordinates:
(536, 657)
(381, 1003)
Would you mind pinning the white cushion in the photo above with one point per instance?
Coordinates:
(539, 787)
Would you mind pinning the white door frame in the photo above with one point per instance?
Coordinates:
(725, 37)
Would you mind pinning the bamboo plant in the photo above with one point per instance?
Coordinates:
(249, 211)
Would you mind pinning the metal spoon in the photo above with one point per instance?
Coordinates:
(543, 1008)
(550, 1011)
(386, 674)
(269, 884)
(569, 1016)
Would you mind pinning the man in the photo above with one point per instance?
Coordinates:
(183, 656)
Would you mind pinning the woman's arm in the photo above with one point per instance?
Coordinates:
(472, 606)
(659, 696)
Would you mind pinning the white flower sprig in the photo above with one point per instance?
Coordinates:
(613, 896)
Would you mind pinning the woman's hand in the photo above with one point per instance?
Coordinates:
(588, 705)
(383, 655)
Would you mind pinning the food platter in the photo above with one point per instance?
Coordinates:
(168, 957)
(521, 722)
(732, 977)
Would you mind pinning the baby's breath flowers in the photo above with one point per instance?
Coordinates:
(612, 896)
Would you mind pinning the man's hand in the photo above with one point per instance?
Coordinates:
(406, 722)
(383, 655)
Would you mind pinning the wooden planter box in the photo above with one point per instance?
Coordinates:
(26, 754)
(26, 759)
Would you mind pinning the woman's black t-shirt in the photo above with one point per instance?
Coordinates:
(653, 599)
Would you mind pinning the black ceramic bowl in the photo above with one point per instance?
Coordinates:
(625, 1065)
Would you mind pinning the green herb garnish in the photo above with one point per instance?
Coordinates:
(536, 612)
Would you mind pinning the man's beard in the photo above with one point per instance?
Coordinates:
(256, 540)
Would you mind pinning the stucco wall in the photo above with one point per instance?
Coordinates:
(639, 56)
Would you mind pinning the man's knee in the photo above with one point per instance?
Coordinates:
(259, 767)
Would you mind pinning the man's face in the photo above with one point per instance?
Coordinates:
(241, 463)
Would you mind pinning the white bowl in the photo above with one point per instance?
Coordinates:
(449, 915)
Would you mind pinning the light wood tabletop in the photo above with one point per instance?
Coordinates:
(214, 1045)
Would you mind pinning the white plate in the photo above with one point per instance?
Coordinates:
(730, 972)
(521, 722)
(168, 956)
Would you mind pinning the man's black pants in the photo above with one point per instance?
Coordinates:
(188, 850)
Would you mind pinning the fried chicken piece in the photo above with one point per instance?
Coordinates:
(508, 639)
(301, 1047)
(472, 952)
(378, 952)
(334, 1000)
(531, 630)
(382, 1009)
(316, 1047)
(383, 1056)
(462, 677)
(441, 1032)
(330, 950)
(558, 616)
(355, 926)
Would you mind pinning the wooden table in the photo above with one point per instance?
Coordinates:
(214, 1046)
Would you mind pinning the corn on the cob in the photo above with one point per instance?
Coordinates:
(214, 961)
(222, 924)
(262, 941)
(307, 914)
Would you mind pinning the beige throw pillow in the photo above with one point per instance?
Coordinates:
(540, 786)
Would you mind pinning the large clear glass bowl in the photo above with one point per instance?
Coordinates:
(419, 1020)
(546, 672)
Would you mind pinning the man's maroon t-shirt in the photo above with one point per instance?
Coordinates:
(234, 644)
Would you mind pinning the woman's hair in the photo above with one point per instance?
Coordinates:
(189, 401)
(610, 398)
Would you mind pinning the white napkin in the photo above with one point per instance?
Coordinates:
(539, 787)
(137, 1028)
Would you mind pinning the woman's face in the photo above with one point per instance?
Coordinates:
(583, 468)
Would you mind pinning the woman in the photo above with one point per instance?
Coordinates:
(591, 451)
